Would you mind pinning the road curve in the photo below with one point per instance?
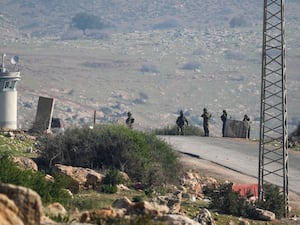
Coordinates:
(237, 154)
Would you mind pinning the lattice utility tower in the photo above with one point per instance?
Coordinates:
(273, 153)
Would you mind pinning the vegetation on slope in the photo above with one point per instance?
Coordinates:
(109, 145)
(49, 191)
(143, 156)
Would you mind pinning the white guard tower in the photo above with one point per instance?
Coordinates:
(8, 94)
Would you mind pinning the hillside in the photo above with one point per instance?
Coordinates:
(52, 18)
(154, 58)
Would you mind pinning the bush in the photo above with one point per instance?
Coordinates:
(229, 202)
(238, 21)
(49, 191)
(108, 188)
(110, 181)
(192, 66)
(234, 55)
(113, 177)
(273, 200)
(84, 21)
(148, 68)
(168, 24)
(111, 146)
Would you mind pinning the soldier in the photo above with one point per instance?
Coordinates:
(129, 120)
(248, 123)
(180, 122)
(224, 118)
(206, 116)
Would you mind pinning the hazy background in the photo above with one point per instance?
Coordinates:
(152, 58)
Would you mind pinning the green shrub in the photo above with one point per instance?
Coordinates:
(273, 200)
(15, 146)
(108, 188)
(137, 198)
(228, 201)
(188, 131)
(113, 177)
(143, 156)
(49, 191)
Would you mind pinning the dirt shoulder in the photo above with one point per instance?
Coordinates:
(208, 168)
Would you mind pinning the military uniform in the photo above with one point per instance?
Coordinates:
(224, 118)
(180, 122)
(130, 120)
(206, 117)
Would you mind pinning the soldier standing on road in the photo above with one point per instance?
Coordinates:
(130, 120)
(180, 122)
(248, 123)
(224, 118)
(206, 117)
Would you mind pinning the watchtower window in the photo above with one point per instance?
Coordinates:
(9, 85)
(6, 84)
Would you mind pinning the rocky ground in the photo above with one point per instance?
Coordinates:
(211, 169)
(197, 170)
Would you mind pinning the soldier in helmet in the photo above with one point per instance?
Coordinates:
(206, 117)
(180, 122)
(223, 118)
(130, 120)
(246, 120)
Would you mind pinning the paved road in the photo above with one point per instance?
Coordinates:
(236, 154)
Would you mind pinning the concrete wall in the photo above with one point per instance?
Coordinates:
(236, 129)
(43, 114)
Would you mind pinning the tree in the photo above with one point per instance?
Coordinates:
(84, 21)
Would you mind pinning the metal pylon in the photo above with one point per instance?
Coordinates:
(273, 144)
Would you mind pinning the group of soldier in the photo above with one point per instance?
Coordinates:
(182, 121)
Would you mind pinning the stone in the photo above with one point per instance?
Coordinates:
(124, 176)
(148, 208)
(55, 209)
(122, 187)
(25, 163)
(28, 201)
(122, 203)
(90, 216)
(85, 217)
(172, 201)
(204, 217)
(265, 215)
(9, 212)
(230, 222)
(103, 213)
(244, 222)
(47, 221)
(81, 177)
(49, 178)
(172, 219)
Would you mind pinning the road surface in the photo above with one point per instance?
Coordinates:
(237, 154)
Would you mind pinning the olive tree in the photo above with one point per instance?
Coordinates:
(84, 21)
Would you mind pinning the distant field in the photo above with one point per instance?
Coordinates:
(152, 74)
